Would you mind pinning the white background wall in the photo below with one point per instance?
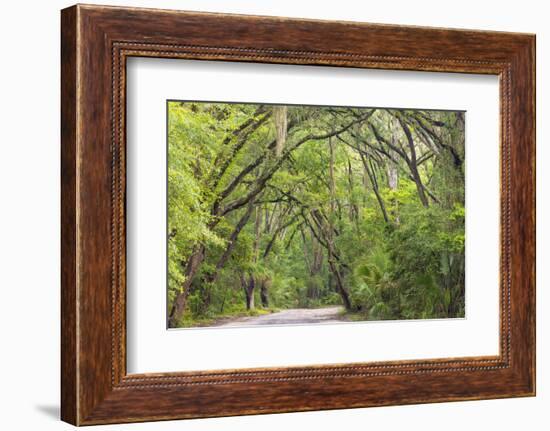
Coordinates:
(29, 215)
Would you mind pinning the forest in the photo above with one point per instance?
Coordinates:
(304, 214)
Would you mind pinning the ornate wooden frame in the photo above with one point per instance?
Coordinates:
(95, 42)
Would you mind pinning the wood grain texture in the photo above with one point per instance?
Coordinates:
(96, 41)
(69, 397)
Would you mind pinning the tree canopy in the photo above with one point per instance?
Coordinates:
(274, 207)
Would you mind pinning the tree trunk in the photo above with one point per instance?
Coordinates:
(374, 183)
(241, 134)
(392, 172)
(257, 231)
(264, 289)
(248, 286)
(231, 243)
(393, 176)
(419, 185)
(353, 208)
(413, 166)
(339, 283)
(250, 299)
(329, 232)
(332, 184)
(334, 268)
(280, 120)
(180, 302)
(315, 265)
(246, 289)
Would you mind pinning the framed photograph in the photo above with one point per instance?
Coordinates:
(267, 215)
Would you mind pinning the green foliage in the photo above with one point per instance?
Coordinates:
(365, 213)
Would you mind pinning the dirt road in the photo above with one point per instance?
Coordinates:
(292, 316)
